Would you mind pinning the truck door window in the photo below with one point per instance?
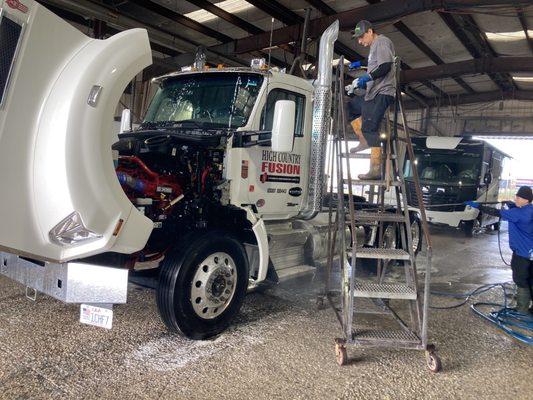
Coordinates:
(267, 116)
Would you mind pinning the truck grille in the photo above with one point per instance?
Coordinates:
(436, 195)
(10, 33)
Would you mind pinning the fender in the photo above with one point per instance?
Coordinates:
(260, 232)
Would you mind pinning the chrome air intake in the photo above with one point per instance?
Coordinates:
(321, 122)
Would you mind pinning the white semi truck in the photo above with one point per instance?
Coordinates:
(220, 188)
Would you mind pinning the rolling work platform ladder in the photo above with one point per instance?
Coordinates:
(386, 296)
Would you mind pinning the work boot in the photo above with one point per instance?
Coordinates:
(523, 296)
(357, 125)
(375, 166)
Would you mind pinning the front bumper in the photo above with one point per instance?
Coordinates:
(452, 218)
(71, 282)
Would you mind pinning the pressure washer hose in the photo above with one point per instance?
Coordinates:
(515, 324)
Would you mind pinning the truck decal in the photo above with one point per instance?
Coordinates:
(273, 162)
(17, 5)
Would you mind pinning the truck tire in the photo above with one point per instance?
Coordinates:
(468, 228)
(202, 285)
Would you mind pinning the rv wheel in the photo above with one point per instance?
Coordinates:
(202, 285)
(470, 226)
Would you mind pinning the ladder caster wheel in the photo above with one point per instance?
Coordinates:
(433, 361)
(341, 354)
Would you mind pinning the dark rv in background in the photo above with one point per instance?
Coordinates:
(453, 170)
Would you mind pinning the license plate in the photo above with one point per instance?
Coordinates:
(96, 316)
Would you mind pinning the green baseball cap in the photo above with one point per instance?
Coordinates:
(361, 28)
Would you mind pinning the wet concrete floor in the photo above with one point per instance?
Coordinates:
(280, 347)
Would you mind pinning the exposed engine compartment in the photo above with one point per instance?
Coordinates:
(174, 182)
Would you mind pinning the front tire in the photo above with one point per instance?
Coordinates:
(202, 285)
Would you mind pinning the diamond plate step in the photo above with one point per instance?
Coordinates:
(373, 182)
(385, 337)
(384, 254)
(365, 216)
(365, 156)
(384, 290)
(294, 272)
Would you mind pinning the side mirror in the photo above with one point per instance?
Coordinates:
(487, 179)
(125, 121)
(283, 126)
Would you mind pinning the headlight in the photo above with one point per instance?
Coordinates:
(72, 231)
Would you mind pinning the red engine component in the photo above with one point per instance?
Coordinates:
(137, 178)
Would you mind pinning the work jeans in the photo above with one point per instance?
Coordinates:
(522, 271)
(372, 112)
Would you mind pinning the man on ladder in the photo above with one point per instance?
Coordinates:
(366, 113)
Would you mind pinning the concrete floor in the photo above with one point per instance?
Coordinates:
(281, 347)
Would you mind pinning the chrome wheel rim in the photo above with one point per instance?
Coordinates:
(389, 237)
(415, 235)
(213, 285)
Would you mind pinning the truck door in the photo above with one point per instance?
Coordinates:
(279, 179)
(59, 89)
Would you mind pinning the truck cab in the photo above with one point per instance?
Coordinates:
(220, 187)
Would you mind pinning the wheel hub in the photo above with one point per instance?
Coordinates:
(213, 285)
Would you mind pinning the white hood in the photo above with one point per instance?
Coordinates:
(55, 144)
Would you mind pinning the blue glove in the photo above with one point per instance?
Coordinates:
(363, 80)
(473, 204)
(509, 204)
(354, 65)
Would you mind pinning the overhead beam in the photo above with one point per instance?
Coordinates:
(424, 48)
(486, 65)
(484, 97)
(289, 17)
(469, 34)
(378, 13)
(181, 19)
(158, 35)
(523, 22)
(413, 38)
(321, 6)
(229, 17)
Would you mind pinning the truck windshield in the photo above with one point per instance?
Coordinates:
(218, 100)
(446, 168)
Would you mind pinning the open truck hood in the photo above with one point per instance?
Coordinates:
(59, 90)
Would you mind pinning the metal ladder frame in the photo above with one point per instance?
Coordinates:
(415, 334)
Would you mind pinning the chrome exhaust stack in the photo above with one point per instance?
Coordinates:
(321, 122)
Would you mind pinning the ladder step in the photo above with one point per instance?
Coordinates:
(365, 156)
(384, 291)
(366, 216)
(372, 182)
(385, 337)
(386, 254)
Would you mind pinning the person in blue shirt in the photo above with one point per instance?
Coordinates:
(520, 218)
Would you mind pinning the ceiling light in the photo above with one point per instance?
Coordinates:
(523, 78)
(508, 36)
(231, 6)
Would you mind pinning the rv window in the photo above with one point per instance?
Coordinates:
(10, 33)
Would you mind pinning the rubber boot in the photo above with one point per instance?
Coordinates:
(523, 296)
(375, 166)
(357, 125)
